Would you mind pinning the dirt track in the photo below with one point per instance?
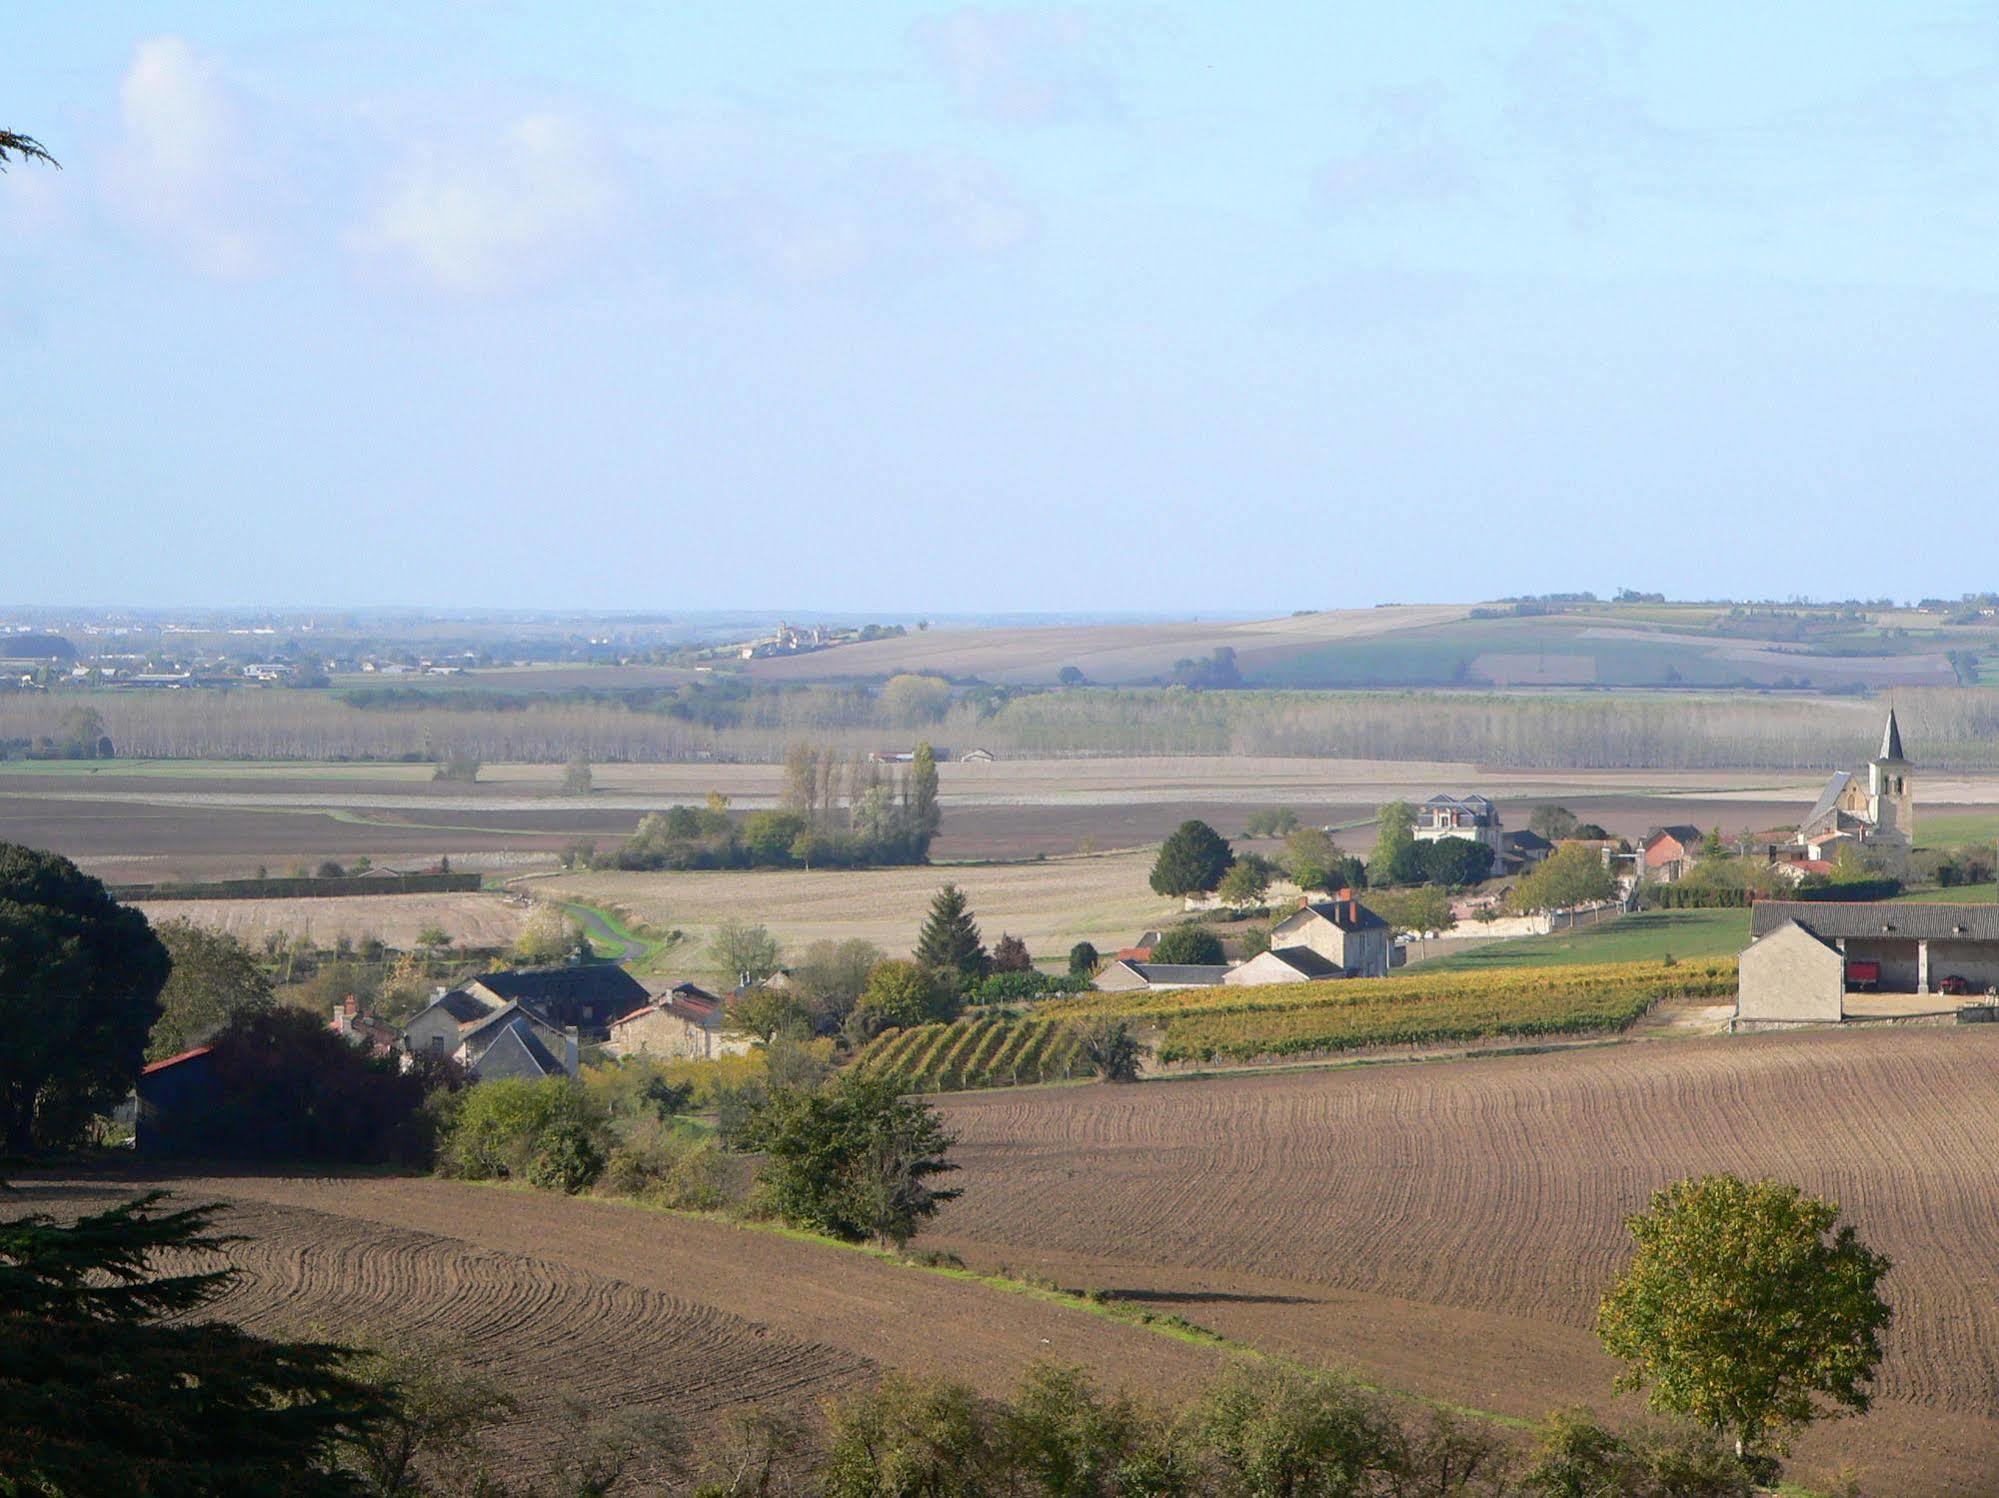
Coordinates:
(1449, 1227)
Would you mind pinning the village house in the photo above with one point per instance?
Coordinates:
(1342, 930)
(588, 995)
(1284, 965)
(490, 1039)
(1473, 818)
(1666, 854)
(685, 1022)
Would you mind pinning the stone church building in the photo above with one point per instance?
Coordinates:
(1875, 807)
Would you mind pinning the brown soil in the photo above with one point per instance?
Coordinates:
(1448, 1228)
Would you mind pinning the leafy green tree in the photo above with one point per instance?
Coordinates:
(1314, 861)
(1746, 1305)
(1245, 884)
(1455, 861)
(912, 1438)
(577, 777)
(769, 836)
(460, 765)
(1568, 877)
(829, 979)
(761, 1012)
(109, 1382)
(902, 994)
(925, 819)
(1111, 1049)
(1191, 861)
(1396, 858)
(432, 939)
(1189, 944)
(949, 942)
(854, 1159)
(80, 979)
(547, 935)
(214, 979)
(1071, 676)
(1419, 911)
(1010, 955)
(914, 701)
(1271, 821)
(743, 953)
(1083, 959)
(1714, 845)
(1552, 822)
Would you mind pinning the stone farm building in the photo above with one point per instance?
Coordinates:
(1326, 939)
(1805, 955)
(684, 1022)
(491, 1039)
(588, 995)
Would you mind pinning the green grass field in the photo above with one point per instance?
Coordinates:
(1957, 894)
(1949, 831)
(1649, 936)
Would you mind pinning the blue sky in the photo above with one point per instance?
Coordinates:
(1157, 307)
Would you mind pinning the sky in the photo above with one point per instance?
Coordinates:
(1156, 307)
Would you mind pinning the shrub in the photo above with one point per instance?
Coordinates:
(1083, 960)
(1010, 988)
(903, 993)
(1010, 956)
(1111, 1049)
(548, 1132)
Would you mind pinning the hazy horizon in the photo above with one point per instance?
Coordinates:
(993, 309)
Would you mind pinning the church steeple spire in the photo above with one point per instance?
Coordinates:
(1891, 739)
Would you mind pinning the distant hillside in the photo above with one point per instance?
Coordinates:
(1478, 646)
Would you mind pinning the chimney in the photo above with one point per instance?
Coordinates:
(572, 1058)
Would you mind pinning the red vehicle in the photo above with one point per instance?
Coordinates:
(1864, 976)
(1953, 984)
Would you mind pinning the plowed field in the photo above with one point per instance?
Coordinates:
(1451, 1226)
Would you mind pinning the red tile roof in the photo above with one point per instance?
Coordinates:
(200, 1050)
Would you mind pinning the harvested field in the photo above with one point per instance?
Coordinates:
(553, 1295)
(1449, 1226)
(1050, 905)
(470, 920)
(144, 820)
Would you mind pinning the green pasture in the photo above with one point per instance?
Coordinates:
(1648, 936)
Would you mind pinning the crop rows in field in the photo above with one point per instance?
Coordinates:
(977, 1051)
(1290, 1019)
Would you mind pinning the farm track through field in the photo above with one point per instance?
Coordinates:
(1451, 1226)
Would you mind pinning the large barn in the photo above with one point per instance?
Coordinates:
(1805, 955)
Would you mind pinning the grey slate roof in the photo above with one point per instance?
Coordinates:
(1194, 974)
(1680, 832)
(1834, 920)
(516, 1052)
(1311, 963)
(1336, 912)
(1828, 799)
(1891, 739)
(594, 982)
(462, 1006)
(484, 1033)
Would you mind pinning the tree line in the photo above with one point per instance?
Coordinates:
(1950, 727)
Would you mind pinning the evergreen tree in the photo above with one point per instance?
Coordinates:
(950, 940)
(108, 1386)
(1191, 861)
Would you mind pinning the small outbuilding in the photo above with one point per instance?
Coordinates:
(1285, 965)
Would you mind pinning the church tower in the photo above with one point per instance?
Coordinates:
(1890, 804)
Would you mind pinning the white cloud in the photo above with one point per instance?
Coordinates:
(1033, 66)
(179, 169)
(488, 215)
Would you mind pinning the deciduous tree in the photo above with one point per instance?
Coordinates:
(1750, 1307)
(214, 979)
(1188, 944)
(742, 952)
(1395, 859)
